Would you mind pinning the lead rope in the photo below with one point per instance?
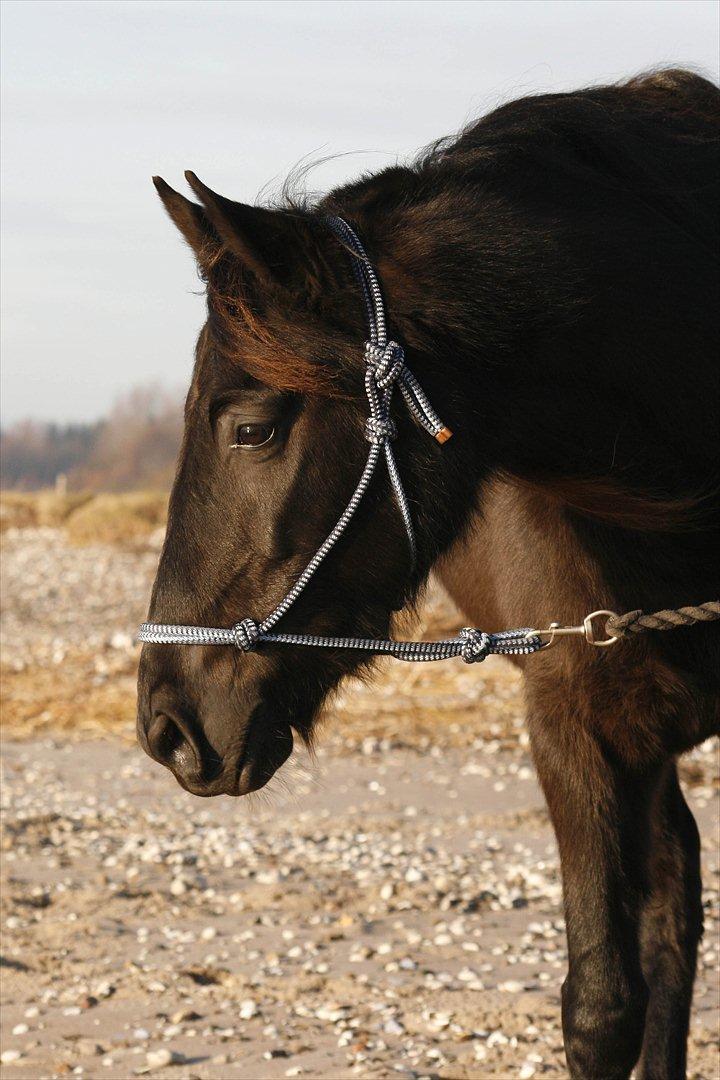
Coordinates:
(385, 368)
(635, 622)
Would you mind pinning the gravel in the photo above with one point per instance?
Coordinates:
(390, 907)
(57, 598)
(389, 913)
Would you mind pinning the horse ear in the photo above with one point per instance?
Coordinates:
(262, 239)
(191, 220)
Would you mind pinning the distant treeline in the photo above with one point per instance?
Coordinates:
(134, 447)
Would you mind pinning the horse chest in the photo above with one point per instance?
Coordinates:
(519, 563)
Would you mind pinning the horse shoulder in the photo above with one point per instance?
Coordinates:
(520, 563)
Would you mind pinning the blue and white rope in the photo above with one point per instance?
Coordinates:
(385, 369)
(470, 644)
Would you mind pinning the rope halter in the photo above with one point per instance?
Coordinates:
(385, 369)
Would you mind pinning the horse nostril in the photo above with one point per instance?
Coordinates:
(169, 744)
(164, 737)
(175, 737)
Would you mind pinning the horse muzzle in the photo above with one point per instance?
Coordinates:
(175, 739)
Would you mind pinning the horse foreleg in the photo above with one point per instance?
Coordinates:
(670, 929)
(599, 813)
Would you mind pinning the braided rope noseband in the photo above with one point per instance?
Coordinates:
(385, 368)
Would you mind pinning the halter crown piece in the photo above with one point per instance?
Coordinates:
(385, 369)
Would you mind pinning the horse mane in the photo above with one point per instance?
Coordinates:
(624, 134)
(631, 140)
(606, 500)
(680, 105)
(633, 135)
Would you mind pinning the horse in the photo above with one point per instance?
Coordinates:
(551, 273)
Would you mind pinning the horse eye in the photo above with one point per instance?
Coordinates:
(251, 436)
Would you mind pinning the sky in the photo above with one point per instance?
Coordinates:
(99, 293)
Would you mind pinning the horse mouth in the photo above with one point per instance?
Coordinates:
(261, 760)
(255, 766)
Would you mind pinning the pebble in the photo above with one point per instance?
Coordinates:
(89, 1048)
(181, 1016)
(160, 1059)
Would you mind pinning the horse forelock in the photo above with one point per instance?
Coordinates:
(276, 336)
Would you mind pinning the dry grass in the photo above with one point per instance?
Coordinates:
(125, 519)
(34, 509)
(68, 700)
(117, 519)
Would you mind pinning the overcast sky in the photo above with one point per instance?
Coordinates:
(98, 289)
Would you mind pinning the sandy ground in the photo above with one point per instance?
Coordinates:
(393, 912)
(390, 908)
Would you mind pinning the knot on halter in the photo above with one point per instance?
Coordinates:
(246, 634)
(379, 430)
(475, 645)
(386, 367)
(387, 362)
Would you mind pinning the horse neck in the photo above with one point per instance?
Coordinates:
(553, 345)
(552, 354)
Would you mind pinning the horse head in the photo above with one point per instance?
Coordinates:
(275, 441)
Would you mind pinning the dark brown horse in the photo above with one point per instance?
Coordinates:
(552, 275)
